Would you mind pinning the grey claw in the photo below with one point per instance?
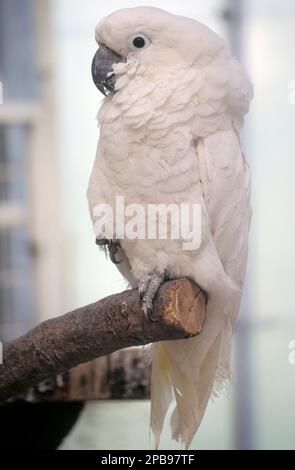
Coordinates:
(148, 311)
(112, 249)
(100, 241)
(148, 289)
(143, 285)
(111, 246)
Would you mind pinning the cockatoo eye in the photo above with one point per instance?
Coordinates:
(139, 42)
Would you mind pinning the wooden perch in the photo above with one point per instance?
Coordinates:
(101, 328)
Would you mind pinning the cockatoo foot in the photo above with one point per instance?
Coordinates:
(111, 247)
(148, 288)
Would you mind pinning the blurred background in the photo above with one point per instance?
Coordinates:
(49, 262)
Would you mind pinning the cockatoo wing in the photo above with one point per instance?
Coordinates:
(195, 364)
(225, 179)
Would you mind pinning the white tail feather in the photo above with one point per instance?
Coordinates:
(191, 390)
(161, 388)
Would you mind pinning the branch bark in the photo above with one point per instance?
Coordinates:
(98, 329)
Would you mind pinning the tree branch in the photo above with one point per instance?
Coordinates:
(99, 329)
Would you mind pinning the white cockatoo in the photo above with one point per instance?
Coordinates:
(169, 133)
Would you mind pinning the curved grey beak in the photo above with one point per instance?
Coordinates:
(102, 69)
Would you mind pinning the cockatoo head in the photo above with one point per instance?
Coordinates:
(153, 38)
(174, 60)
